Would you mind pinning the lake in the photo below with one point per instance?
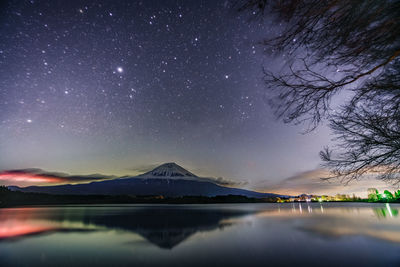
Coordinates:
(324, 234)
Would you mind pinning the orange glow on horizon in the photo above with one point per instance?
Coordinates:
(28, 178)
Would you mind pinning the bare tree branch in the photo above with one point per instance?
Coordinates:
(348, 46)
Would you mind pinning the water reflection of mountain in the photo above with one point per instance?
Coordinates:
(166, 227)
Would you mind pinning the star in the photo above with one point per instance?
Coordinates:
(128, 73)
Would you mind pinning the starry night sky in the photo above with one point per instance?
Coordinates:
(116, 87)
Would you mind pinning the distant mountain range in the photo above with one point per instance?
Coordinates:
(169, 180)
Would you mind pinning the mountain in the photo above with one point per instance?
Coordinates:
(169, 179)
(169, 170)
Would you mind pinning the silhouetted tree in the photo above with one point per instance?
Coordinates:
(346, 47)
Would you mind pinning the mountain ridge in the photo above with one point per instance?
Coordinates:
(168, 179)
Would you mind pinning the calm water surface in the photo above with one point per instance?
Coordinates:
(328, 234)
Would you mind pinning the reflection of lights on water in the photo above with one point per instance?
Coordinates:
(389, 209)
(300, 208)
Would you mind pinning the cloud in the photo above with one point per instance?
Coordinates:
(34, 176)
(310, 182)
(223, 181)
(39, 176)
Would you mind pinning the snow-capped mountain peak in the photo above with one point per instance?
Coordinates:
(169, 170)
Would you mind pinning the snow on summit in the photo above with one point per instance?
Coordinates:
(169, 170)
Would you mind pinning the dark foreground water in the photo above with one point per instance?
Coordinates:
(328, 234)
